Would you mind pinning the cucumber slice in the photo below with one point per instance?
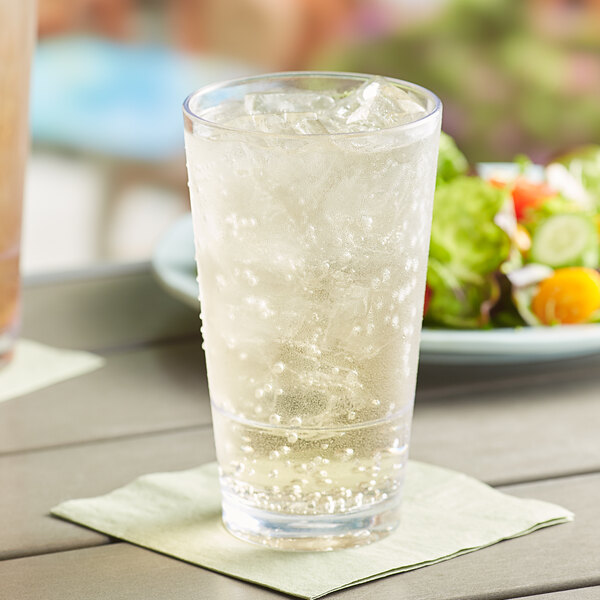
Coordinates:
(566, 241)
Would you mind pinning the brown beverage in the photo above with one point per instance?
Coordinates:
(17, 23)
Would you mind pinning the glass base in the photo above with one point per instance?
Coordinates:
(310, 532)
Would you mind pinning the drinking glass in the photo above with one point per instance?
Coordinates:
(17, 19)
(311, 197)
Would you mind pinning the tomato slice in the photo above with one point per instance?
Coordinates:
(427, 299)
(527, 195)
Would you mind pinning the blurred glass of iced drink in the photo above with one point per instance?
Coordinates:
(311, 198)
(17, 22)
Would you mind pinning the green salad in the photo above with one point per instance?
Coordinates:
(518, 245)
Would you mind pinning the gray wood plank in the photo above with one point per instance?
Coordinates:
(541, 563)
(540, 429)
(491, 438)
(586, 593)
(101, 313)
(464, 379)
(534, 431)
(478, 419)
(124, 306)
(95, 271)
(153, 389)
(32, 483)
(118, 571)
(548, 560)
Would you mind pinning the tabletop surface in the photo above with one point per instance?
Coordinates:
(530, 430)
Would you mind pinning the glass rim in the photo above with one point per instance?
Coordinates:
(212, 87)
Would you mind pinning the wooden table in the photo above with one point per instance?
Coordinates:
(532, 431)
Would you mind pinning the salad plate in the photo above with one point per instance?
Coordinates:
(175, 269)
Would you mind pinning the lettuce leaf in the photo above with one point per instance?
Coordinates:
(458, 303)
(451, 161)
(468, 245)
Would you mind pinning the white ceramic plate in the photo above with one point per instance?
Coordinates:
(174, 266)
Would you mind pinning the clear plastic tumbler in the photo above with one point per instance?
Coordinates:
(311, 198)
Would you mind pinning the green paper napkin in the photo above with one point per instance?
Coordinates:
(444, 514)
(35, 366)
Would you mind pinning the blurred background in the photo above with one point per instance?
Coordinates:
(106, 177)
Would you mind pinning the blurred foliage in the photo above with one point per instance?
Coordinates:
(507, 83)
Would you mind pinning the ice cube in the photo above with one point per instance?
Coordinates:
(296, 101)
(267, 123)
(358, 97)
(225, 111)
(376, 104)
(308, 124)
(303, 123)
